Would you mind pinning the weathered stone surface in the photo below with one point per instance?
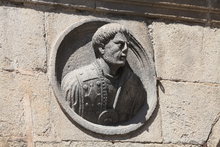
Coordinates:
(22, 43)
(16, 142)
(24, 101)
(186, 52)
(188, 111)
(34, 93)
(105, 144)
(214, 139)
(12, 118)
(40, 104)
(28, 97)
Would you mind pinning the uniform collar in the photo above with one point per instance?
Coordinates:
(101, 71)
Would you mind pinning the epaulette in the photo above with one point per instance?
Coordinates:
(86, 73)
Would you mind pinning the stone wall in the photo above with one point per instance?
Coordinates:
(186, 55)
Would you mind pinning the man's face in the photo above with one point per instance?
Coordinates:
(115, 51)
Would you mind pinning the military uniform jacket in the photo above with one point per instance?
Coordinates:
(92, 95)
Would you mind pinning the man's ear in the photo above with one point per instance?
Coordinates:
(101, 50)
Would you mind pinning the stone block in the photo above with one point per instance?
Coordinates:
(12, 118)
(24, 106)
(22, 43)
(188, 111)
(40, 104)
(184, 52)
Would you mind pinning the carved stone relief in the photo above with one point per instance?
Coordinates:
(103, 78)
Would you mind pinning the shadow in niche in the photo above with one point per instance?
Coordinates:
(140, 116)
(78, 38)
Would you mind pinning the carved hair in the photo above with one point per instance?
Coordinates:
(105, 33)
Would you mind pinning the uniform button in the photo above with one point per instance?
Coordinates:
(81, 73)
(91, 84)
(99, 104)
(98, 83)
(87, 104)
(85, 86)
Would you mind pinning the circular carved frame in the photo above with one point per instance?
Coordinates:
(70, 51)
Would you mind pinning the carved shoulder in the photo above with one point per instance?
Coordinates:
(80, 75)
(86, 73)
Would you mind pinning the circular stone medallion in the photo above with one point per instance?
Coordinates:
(103, 78)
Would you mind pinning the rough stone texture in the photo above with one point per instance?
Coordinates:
(40, 104)
(16, 142)
(187, 52)
(22, 43)
(188, 111)
(104, 144)
(12, 119)
(19, 96)
(23, 54)
(214, 139)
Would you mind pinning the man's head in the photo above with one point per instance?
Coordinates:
(110, 42)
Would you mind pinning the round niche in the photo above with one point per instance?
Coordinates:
(73, 57)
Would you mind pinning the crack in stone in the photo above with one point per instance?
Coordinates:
(23, 72)
(45, 42)
(211, 130)
(192, 82)
(43, 70)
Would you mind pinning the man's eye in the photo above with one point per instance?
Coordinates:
(120, 44)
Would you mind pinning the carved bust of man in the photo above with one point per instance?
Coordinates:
(107, 91)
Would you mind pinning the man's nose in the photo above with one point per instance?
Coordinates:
(125, 49)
